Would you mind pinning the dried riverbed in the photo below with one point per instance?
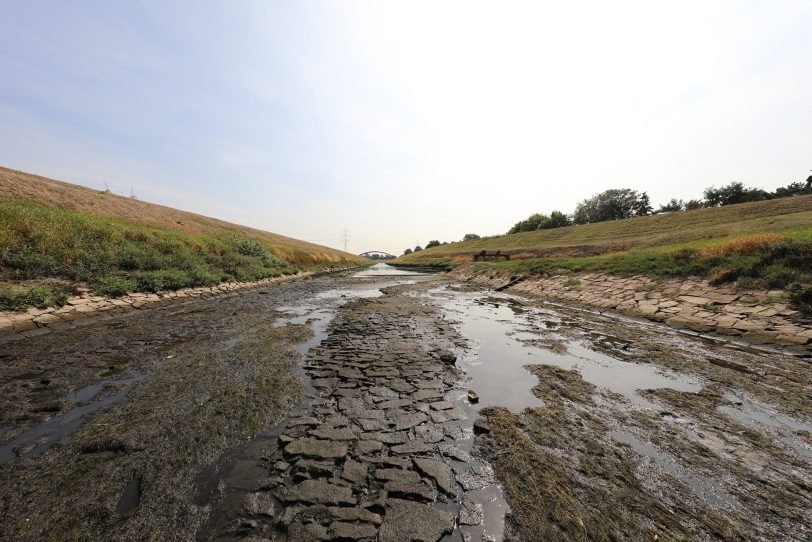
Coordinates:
(337, 408)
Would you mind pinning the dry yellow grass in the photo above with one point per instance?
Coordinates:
(702, 226)
(53, 193)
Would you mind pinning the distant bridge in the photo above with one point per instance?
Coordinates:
(377, 255)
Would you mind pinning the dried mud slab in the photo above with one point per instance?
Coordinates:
(381, 453)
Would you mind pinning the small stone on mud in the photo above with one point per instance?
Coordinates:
(447, 357)
(472, 397)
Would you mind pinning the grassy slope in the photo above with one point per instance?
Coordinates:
(766, 242)
(54, 235)
(685, 228)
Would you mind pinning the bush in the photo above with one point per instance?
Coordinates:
(248, 247)
(733, 193)
(17, 299)
(800, 297)
(201, 277)
(433, 243)
(470, 237)
(532, 223)
(614, 204)
(672, 206)
(557, 220)
(114, 286)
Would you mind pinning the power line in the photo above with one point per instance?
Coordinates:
(345, 237)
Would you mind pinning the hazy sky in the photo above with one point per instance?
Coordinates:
(404, 121)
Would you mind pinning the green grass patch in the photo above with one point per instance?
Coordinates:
(770, 262)
(13, 298)
(115, 256)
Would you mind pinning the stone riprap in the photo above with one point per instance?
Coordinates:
(86, 306)
(383, 451)
(757, 317)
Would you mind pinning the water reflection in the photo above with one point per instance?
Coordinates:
(386, 270)
(501, 349)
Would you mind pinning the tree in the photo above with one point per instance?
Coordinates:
(733, 193)
(643, 205)
(407, 251)
(672, 206)
(418, 248)
(693, 204)
(532, 223)
(470, 237)
(614, 204)
(557, 220)
(434, 243)
(794, 189)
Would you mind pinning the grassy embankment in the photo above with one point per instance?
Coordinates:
(761, 244)
(55, 236)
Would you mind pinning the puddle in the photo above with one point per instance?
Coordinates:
(619, 376)
(130, 497)
(757, 416)
(704, 487)
(500, 335)
(495, 363)
(88, 393)
(52, 430)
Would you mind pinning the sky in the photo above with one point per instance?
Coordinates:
(406, 121)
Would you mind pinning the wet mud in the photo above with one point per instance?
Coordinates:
(398, 406)
(642, 432)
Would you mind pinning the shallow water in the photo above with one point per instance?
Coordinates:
(63, 425)
(501, 334)
(706, 488)
(757, 416)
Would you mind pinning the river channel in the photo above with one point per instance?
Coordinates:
(387, 404)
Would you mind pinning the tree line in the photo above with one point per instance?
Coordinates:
(436, 243)
(620, 203)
